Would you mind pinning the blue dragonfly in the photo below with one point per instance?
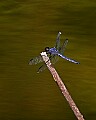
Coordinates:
(53, 53)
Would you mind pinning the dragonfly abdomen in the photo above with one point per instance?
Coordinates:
(71, 60)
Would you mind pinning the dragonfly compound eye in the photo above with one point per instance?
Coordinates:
(47, 49)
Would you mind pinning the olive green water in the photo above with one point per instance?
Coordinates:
(26, 28)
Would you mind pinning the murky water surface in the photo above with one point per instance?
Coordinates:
(26, 28)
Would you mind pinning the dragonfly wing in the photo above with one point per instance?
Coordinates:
(52, 58)
(71, 60)
(42, 68)
(62, 49)
(57, 45)
(36, 60)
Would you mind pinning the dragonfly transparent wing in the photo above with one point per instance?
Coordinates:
(62, 49)
(53, 59)
(57, 45)
(42, 68)
(36, 60)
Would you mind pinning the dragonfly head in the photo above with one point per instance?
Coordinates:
(47, 49)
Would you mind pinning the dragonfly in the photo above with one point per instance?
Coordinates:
(53, 53)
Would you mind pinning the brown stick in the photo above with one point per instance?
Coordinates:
(62, 86)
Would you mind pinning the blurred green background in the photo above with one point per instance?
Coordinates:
(26, 28)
